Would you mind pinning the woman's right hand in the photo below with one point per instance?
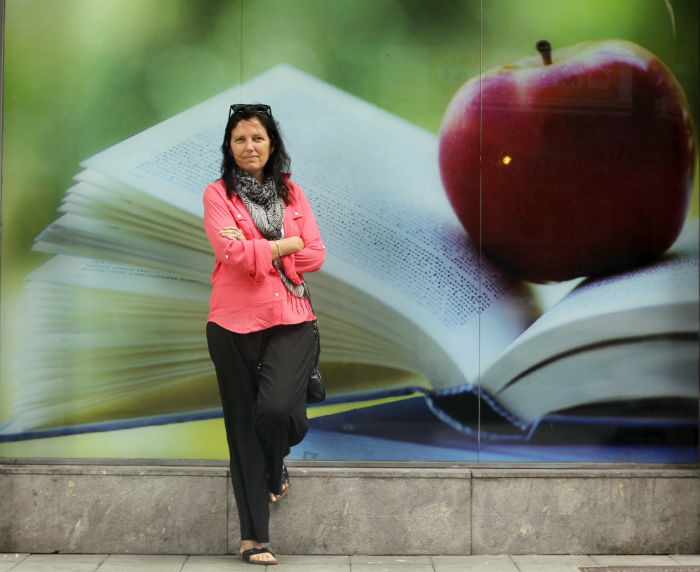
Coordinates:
(232, 233)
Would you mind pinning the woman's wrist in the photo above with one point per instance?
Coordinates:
(284, 246)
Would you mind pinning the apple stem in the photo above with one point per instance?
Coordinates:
(545, 51)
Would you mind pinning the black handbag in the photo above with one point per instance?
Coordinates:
(315, 391)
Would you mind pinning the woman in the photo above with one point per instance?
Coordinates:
(259, 330)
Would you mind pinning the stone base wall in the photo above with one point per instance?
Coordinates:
(404, 508)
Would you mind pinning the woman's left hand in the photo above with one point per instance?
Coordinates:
(232, 233)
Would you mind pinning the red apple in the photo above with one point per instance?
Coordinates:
(580, 166)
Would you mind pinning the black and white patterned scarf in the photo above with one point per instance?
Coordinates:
(267, 211)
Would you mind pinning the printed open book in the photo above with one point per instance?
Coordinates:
(113, 328)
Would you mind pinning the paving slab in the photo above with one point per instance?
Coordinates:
(364, 563)
(312, 563)
(142, 563)
(218, 563)
(9, 561)
(686, 559)
(60, 563)
(633, 560)
(551, 562)
(480, 563)
(22, 562)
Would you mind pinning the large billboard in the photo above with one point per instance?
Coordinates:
(507, 192)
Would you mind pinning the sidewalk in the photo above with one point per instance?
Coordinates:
(296, 563)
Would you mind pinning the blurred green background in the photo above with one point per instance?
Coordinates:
(81, 75)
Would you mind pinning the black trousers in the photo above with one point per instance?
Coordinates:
(262, 378)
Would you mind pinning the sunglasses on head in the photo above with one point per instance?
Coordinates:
(236, 107)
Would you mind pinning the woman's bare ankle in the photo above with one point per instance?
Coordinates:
(248, 544)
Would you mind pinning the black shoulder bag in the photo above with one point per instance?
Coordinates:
(315, 391)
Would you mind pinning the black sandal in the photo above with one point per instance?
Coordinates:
(246, 554)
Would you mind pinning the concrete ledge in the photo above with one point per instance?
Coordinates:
(373, 511)
(143, 507)
(586, 514)
(90, 509)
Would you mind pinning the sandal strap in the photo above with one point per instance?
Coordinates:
(246, 554)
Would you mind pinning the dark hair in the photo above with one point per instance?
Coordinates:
(277, 165)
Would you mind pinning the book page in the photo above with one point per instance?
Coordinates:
(661, 367)
(657, 299)
(97, 336)
(124, 241)
(129, 199)
(671, 280)
(104, 275)
(88, 200)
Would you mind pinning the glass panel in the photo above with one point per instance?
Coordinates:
(90, 344)
(587, 154)
(397, 298)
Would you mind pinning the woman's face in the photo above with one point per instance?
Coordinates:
(250, 146)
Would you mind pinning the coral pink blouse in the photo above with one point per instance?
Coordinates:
(247, 292)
